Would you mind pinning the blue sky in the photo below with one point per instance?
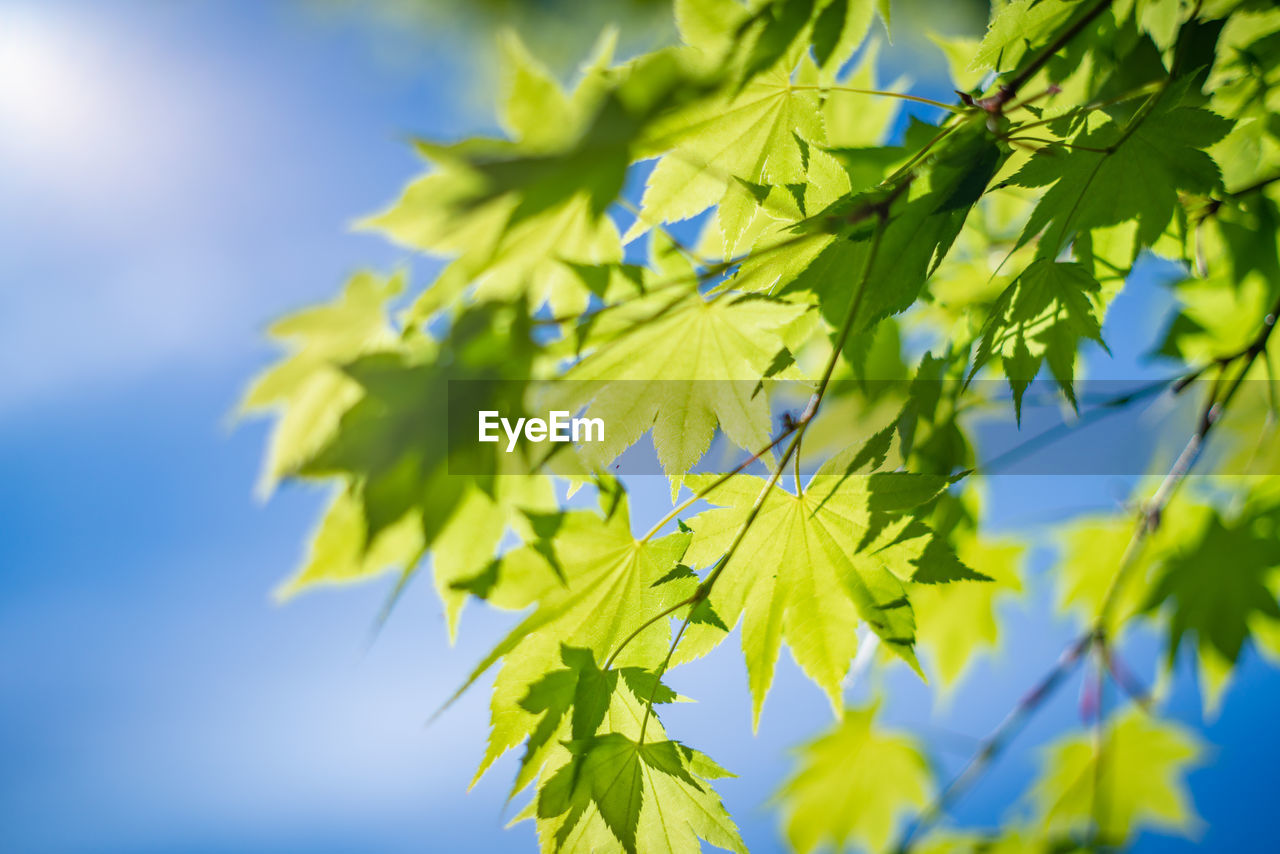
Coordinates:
(174, 176)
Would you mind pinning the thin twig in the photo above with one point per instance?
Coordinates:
(1099, 800)
(711, 487)
(1009, 90)
(1214, 406)
(1125, 679)
(811, 410)
(1254, 187)
(995, 742)
(1141, 91)
(1105, 409)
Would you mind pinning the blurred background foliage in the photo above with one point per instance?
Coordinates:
(561, 32)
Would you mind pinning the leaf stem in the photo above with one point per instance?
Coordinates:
(1099, 800)
(665, 612)
(953, 108)
(653, 692)
(707, 490)
(1090, 107)
(811, 410)
(1071, 145)
(906, 168)
(1128, 683)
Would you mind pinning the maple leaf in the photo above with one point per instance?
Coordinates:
(1117, 173)
(591, 583)
(608, 775)
(650, 795)
(832, 245)
(309, 388)
(853, 784)
(1017, 28)
(694, 365)
(812, 567)
(514, 212)
(956, 621)
(573, 703)
(1041, 317)
(1140, 779)
(603, 782)
(711, 147)
(1219, 588)
(389, 443)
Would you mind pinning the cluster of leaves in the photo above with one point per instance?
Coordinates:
(999, 228)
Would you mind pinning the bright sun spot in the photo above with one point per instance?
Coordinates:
(48, 97)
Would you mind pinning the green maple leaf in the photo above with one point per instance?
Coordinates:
(1041, 317)
(830, 248)
(601, 785)
(714, 145)
(1115, 174)
(1016, 29)
(516, 213)
(391, 457)
(853, 784)
(957, 621)
(1094, 547)
(308, 388)
(812, 567)
(650, 796)
(1219, 588)
(467, 543)
(312, 392)
(389, 443)
(591, 583)
(690, 365)
(1140, 780)
(573, 702)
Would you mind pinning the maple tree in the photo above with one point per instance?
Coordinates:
(998, 227)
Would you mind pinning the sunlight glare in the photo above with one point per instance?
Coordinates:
(47, 94)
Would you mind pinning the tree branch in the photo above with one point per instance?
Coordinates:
(1007, 92)
(1096, 637)
(991, 746)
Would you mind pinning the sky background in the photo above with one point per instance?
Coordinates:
(172, 177)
